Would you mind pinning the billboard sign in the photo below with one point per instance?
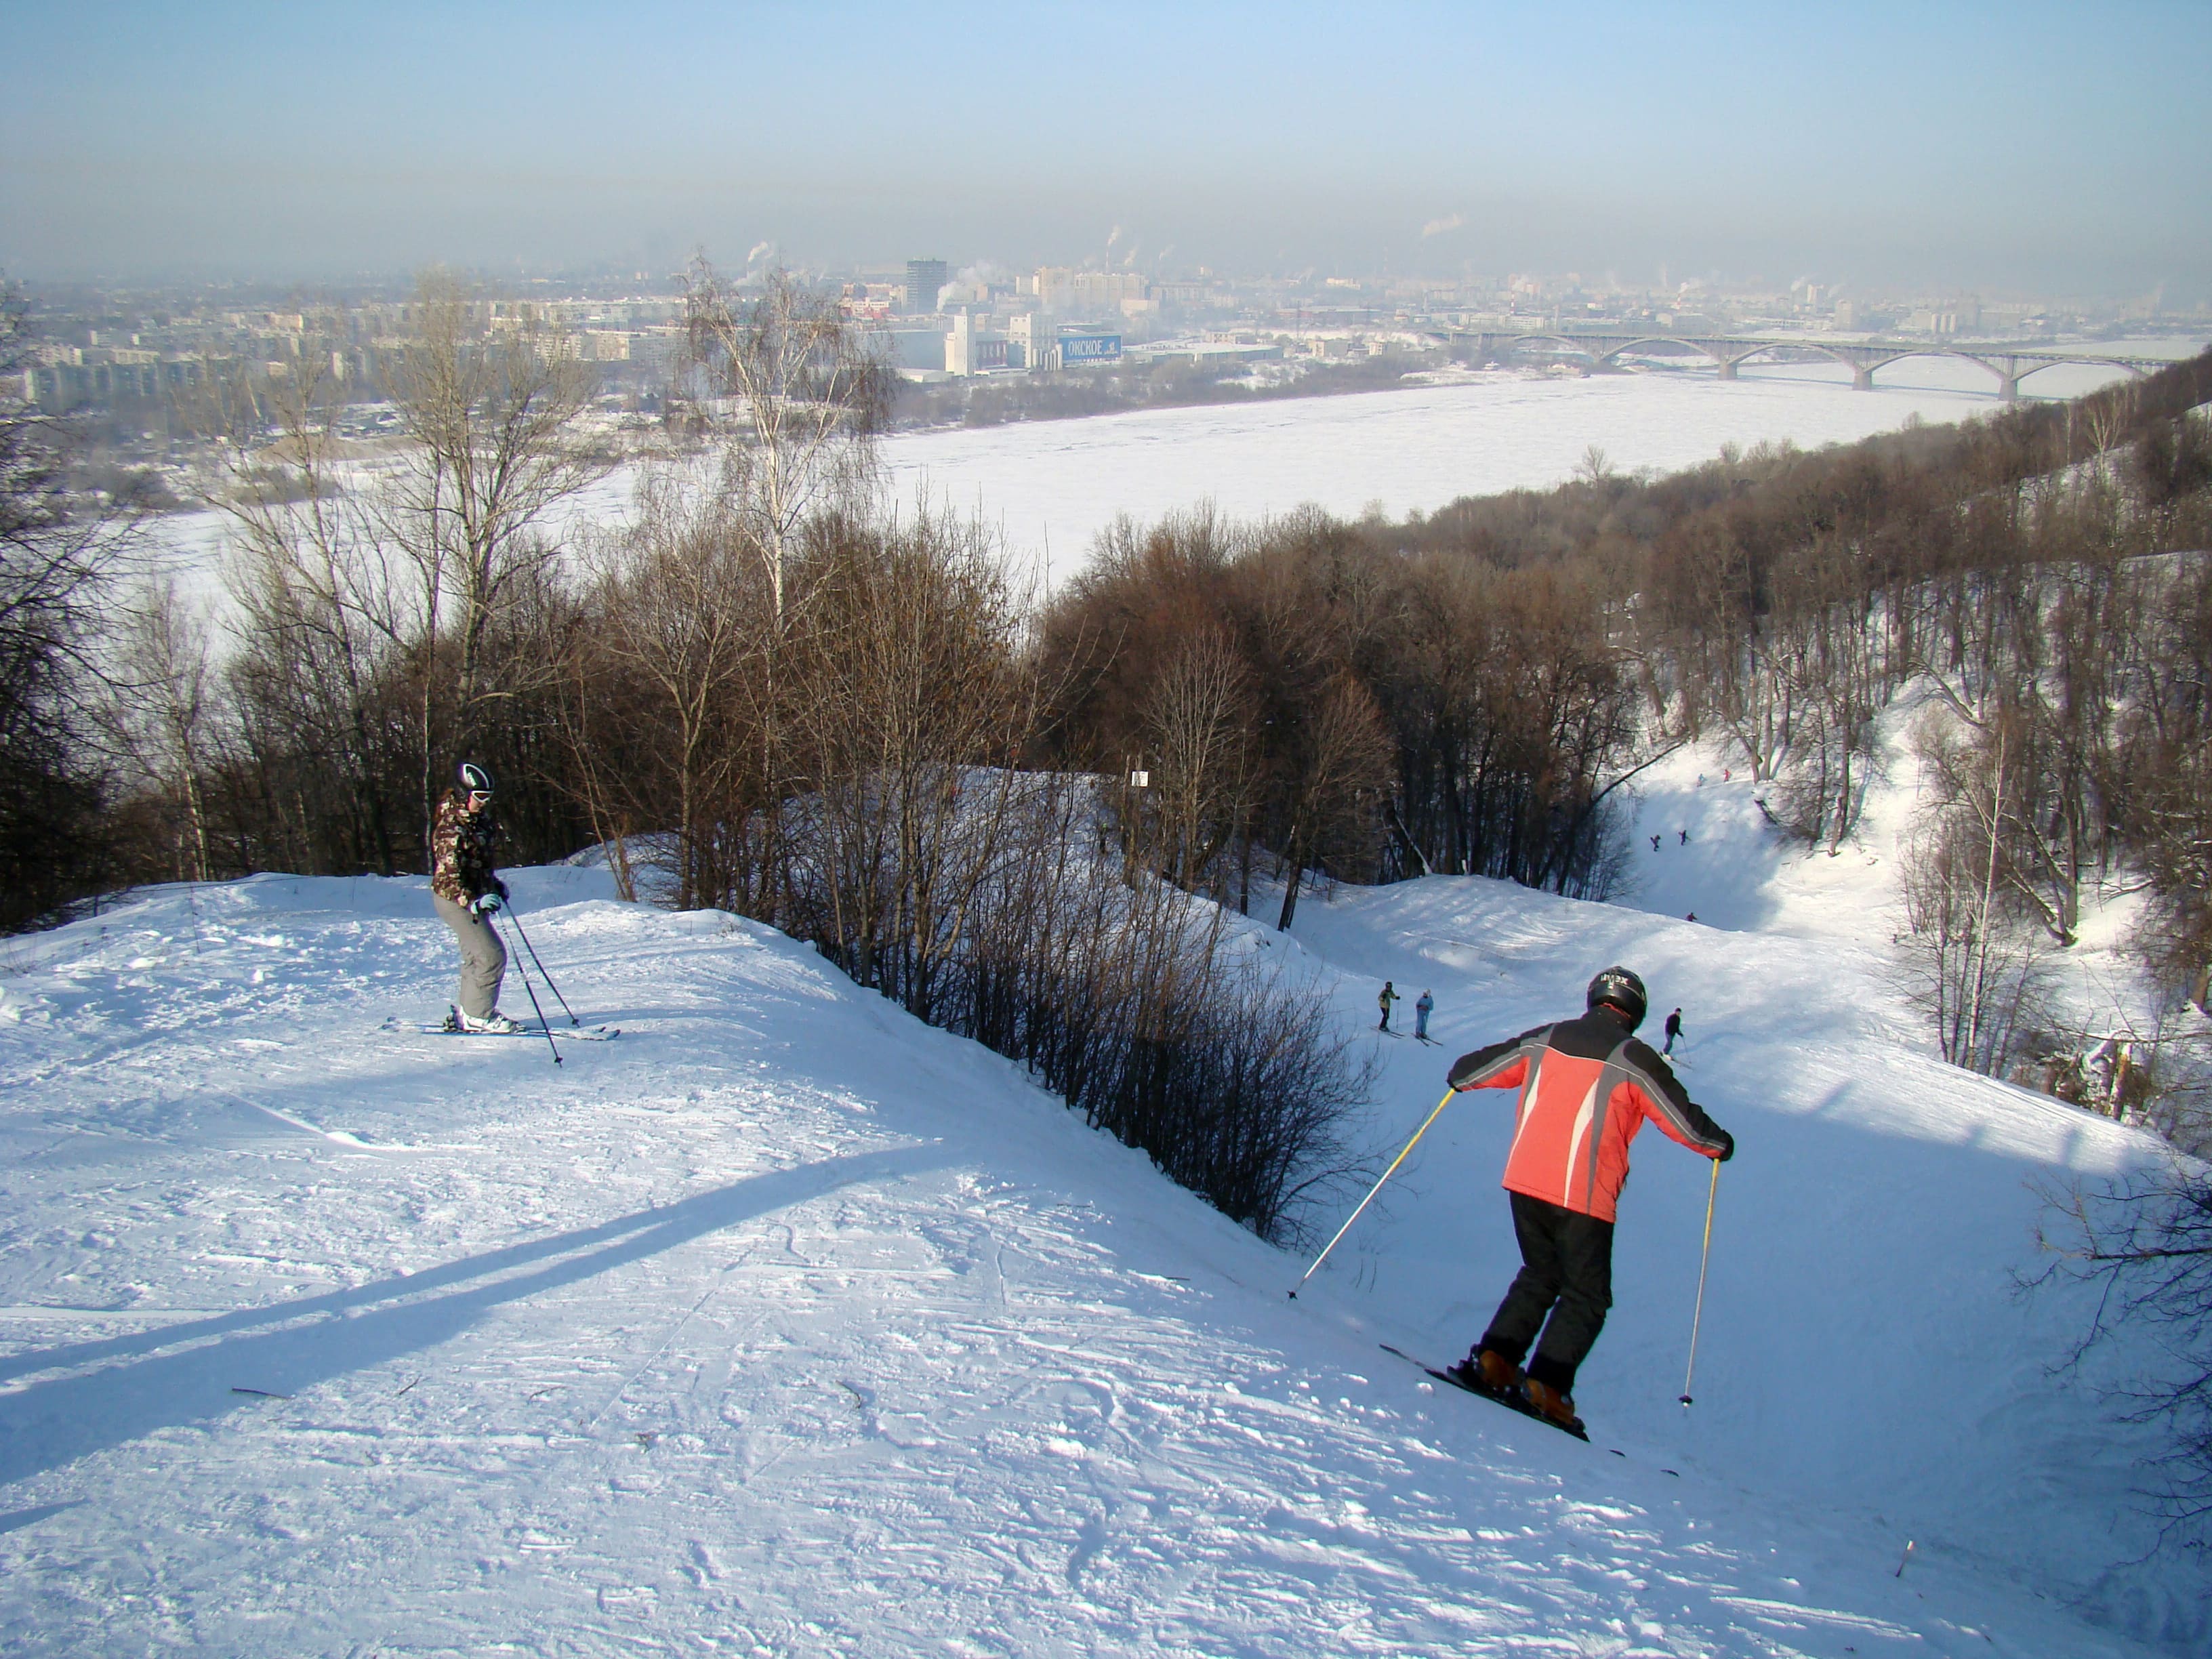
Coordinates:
(1089, 349)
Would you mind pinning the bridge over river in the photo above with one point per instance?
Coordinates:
(2010, 364)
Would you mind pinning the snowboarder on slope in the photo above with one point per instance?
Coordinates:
(1674, 1025)
(464, 890)
(1586, 1085)
(1422, 1010)
(1384, 1001)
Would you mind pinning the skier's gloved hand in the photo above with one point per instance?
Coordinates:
(486, 903)
(1728, 1146)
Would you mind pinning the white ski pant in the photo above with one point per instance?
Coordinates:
(483, 958)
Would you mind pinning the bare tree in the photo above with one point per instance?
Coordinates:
(492, 412)
(161, 711)
(796, 392)
(907, 705)
(678, 610)
(56, 555)
(327, 608)
(1198, 722)
(1341, 765)
(1974, 956)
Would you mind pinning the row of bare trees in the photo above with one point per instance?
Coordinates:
(1304, 699)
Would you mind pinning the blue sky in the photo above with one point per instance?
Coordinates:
(2023, 145)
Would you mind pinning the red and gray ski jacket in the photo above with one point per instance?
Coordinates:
(1586, 1088)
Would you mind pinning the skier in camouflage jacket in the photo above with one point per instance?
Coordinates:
(464, 890)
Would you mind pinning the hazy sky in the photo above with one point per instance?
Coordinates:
(2026, 145)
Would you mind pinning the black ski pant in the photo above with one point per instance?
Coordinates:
(1564, 1288)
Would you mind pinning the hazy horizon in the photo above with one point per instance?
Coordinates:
(2024, 147)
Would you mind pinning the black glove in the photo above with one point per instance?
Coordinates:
(1728, 1145)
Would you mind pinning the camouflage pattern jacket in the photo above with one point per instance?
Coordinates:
(460, 851)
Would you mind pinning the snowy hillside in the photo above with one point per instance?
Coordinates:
(783, 1324)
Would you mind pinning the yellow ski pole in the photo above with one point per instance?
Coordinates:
(1371, 1191)
(1697, 1318)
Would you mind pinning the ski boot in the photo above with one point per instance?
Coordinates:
(494, 1024)
(1550, 1404)
(1488, 1371)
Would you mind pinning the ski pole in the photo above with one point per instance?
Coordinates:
(1369, 1198)
(1697, 1318)
(542, 974)
(527, 986)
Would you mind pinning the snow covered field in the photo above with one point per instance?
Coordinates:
(783, 1324)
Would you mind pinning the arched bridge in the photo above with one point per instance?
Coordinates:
(2011, 364)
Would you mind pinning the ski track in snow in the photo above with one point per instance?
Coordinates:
(786, 1325)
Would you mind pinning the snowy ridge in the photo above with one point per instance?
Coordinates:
(786, 1325)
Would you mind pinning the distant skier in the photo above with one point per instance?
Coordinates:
(1422, 1009)
(1674, 1025)
(1384, 1001)
(464, 890)
(1686, 838)
(1586, 1085)
(1654, 843)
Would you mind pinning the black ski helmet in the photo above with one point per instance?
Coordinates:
(1617, 987)
(475, 779)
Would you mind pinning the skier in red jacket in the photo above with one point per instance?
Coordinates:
(1587, 1086)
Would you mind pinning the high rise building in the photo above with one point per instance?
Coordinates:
(923, 278)
(1085, 293)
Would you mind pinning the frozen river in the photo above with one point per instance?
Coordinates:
(1047, 488)
(1054, 484)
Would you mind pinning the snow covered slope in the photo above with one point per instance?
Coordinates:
(1863, 1348)
(784, 1325)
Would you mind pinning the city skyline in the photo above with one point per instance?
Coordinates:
(1951, 147)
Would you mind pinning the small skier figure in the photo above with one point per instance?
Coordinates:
(1422, 1009)
(1384, 1001)
(1564, 1174)
(1686, 838)
(1674, 1025)
(464, 890)
(1654, 843)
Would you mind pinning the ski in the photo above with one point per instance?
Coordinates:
(574, 1033)
(1506, 1401)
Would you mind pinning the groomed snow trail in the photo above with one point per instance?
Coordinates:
(786, 1325)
